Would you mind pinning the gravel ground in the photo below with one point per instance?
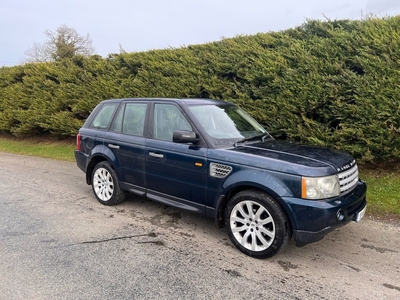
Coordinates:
(58, 242)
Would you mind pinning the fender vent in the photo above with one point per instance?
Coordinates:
(219, 171)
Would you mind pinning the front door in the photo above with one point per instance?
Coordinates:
(174, 172)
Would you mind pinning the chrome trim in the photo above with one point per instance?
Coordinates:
(348, 180)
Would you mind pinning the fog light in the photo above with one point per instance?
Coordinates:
(340, 215)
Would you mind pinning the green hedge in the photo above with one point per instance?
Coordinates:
(334, 84)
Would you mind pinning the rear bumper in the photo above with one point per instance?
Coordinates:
(312, 220)
(81, 160)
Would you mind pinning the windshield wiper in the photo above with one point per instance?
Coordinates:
(263, 137)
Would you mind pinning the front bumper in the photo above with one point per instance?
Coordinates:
(312, 220)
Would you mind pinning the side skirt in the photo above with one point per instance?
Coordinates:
(163, 198)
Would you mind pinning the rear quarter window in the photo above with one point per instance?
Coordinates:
(103, 118)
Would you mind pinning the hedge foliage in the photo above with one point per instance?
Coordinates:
(334, 84)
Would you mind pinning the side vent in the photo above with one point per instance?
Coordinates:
(219, 171)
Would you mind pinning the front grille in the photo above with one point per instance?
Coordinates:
(348, 180)
(219, 170)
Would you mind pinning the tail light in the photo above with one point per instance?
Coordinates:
(78, 142)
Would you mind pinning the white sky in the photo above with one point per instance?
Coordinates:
(140, 25)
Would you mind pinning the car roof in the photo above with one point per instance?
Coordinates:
(184, 101)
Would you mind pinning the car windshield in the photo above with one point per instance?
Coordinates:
(228, 124)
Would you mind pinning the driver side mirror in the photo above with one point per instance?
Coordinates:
(183, 136)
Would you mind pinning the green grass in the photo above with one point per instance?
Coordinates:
(383, 181)
(48, 148)
(383, 193)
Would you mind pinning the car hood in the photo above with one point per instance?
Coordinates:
(294, 158)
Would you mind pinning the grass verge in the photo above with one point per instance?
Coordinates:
(383, 193)
(383, 180)
(45, 147)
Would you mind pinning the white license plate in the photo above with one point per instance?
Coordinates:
(360, 214)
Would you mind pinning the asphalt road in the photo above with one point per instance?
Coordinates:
(58, 242)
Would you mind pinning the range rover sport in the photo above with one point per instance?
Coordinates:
(211, 157)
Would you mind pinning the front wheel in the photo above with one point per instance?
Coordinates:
(105, 184)
(256, 224)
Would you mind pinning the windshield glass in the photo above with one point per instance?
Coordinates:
(227, 124)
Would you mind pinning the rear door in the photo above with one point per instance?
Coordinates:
(174, 172)
(126, 140)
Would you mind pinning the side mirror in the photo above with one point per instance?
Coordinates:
(183, 136)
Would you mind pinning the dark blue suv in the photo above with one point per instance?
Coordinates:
(211, 157)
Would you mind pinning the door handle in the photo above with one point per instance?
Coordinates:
(156, 155)
(113, 146)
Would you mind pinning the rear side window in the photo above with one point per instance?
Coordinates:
(130, 119)
(104, 116)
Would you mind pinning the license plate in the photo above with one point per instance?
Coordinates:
(360, 214)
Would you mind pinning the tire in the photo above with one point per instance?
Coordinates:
(105, 185)
(257, 224)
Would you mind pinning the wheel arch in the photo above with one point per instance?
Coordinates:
(272, 183)
(100, 153)
(224, 199)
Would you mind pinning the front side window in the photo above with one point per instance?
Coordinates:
(167, 118)
(103, 118)
(226, 124)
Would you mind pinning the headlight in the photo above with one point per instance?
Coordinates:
(316, 188)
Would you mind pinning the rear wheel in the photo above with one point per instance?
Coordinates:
(256, 224)
(105, 185)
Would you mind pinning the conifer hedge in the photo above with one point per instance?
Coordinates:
(334, 84)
